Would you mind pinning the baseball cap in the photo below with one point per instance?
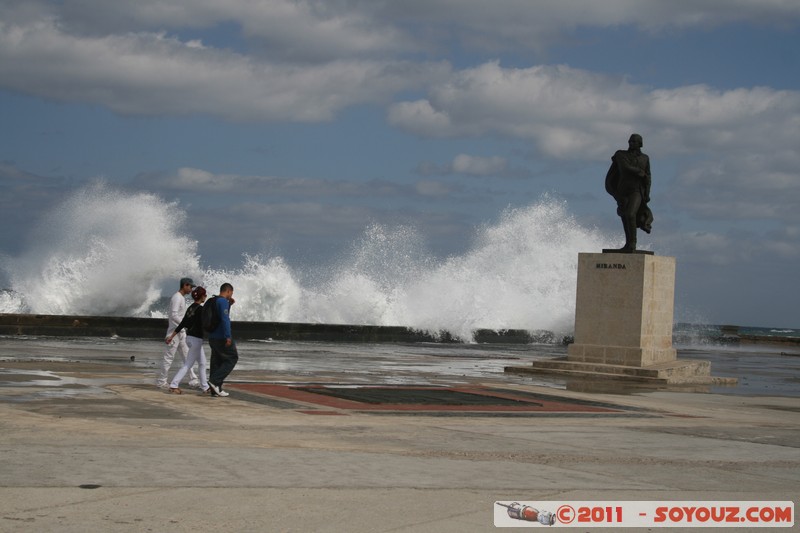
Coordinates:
(184, 281)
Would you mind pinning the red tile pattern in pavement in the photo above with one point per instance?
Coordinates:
(490, 400)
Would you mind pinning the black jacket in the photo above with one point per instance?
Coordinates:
(193, 321)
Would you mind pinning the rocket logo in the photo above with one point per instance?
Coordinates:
(529, 514)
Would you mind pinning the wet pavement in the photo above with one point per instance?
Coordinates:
(89, 444)
(759, 370)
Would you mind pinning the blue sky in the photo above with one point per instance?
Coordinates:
(303, 122)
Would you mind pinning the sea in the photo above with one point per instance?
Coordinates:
(703, 334)
(109, 252)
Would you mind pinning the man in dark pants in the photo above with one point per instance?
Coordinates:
(223, 350)
(628, 181)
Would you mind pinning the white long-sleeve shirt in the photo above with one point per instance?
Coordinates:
(177, 308)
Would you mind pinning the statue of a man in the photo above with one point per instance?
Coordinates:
(628, 181)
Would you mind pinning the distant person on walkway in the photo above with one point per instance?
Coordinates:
(224, 355)
(177, 308)
(628, 181)
(193, 324)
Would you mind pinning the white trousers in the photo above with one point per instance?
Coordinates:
(178, 344)
(196, 354)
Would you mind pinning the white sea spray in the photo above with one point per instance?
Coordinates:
(109, 252)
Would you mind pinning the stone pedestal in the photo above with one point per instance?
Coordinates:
(624, 309)
(623, 325)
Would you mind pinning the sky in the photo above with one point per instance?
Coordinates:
(302, 122)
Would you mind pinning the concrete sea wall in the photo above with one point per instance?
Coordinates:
(155, 328)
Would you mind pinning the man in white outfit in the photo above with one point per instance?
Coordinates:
(177, 308)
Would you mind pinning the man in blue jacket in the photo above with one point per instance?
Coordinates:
(223, 350)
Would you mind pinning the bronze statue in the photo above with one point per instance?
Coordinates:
(628, 181)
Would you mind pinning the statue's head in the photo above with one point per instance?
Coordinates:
(635, 141)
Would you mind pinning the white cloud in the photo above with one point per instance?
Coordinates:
(421, 118)
(298, 29)
(474, 166)
(317, 30)
(564, 110)
(154, 74)
(526, 25)
(735, 150)
(577, 114)
(306, 60)
(326, 30)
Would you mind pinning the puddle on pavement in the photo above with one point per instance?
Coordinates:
(29, 385)
(44, 392)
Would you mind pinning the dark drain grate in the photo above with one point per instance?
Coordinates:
(415, 396)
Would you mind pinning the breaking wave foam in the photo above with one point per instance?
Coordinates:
(105, 252)
(102, 252)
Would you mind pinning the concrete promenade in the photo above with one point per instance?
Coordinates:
(87, 444)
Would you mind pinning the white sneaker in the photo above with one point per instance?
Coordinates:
(194, 384)
(214, 390)
(223, 393)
